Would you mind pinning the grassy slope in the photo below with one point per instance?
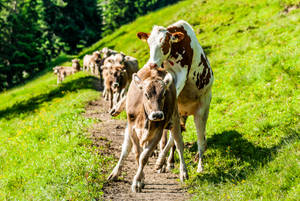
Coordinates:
(253, 136)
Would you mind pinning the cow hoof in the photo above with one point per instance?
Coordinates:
(159, 163)
(162, 169)
(142, 185)
(136, 187)
(113, 112)
(155, 153)
(184, 176)
(170, 166)
(200, 169)
(113, 175)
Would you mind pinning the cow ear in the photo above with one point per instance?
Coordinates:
(168, 80)
(137, 81)
(143, 36)
(177, 37)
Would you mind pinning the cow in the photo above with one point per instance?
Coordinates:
(117, 72)
(92, 62)
(151, 106)
(105, 53)
(62, 71)
(178, 50)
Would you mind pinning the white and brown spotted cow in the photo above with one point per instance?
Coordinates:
(178, 50)
(151, 107)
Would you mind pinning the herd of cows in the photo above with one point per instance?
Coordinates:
(175, 83)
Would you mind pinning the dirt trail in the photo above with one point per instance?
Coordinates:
(108, 133)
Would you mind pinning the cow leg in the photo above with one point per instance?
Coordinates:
(119, 107)
(162, 155)
(105, 93)
(164, 140)
(62, 77)
(200, 119)
(137, 149)
(123, 92)
(101, 78)
(176, 133)
(171, 159)
(116, 96)
(126, 147)
(111, 96)
(162, 145)
(137, 184)
(96, 70)
(58, 79)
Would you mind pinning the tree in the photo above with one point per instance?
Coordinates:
(76, 22)
(21, 52)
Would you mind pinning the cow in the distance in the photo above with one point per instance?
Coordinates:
(92, 63)
(151, 106)
(63, 71)
(117, 72)
(178, 50)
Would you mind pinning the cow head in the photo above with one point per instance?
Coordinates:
(56, 70)
(76, 64)
(154, 90)
(160, 41)
(114, 67)
(118, 75)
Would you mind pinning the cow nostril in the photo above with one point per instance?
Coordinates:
(160, 116)
(157, 116)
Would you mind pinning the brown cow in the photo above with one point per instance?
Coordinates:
(117, 73)
(151, 106)
(63, 71)
(92, 62)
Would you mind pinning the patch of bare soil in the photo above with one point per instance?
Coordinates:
(108, 133)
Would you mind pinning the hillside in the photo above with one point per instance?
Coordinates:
(252, 130)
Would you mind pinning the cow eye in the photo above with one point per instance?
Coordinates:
(147, 96)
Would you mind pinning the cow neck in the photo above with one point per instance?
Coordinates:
(182, 49)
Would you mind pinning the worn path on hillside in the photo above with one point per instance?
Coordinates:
(108, 134)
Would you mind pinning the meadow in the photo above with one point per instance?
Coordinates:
(253, 126)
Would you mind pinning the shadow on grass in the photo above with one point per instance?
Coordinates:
(28, 106)
(207, 49)
(242, 157)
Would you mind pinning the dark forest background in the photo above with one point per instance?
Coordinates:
(32, 32)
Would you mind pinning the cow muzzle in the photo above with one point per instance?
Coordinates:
(156, 116)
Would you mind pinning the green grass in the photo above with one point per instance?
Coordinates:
(44, 150)
(252, 130)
